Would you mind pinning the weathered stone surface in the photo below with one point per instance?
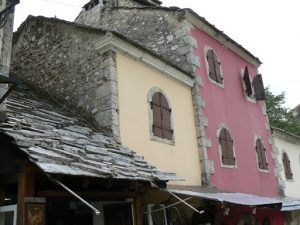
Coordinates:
(162, 30)
(59, 59)
(61, 143)
(6, 34)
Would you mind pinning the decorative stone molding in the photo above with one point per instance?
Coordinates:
(258, 137)
(114, 43)
(206, 49)
(221, 37)
(150, 94)
(220, 127)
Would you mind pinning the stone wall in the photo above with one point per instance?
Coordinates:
(94, 13)
(162, 30)
(58, 59)
(6, 34)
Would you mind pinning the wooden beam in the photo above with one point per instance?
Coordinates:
(25, 189)
(27, 166)
(88, 194)
(138, 210)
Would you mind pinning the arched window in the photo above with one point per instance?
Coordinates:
(161, 126)
(287, 166)
(261, 155)
(248, 83)
(214, 66)
(226, 143)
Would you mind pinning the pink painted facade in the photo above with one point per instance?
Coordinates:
(244, 119)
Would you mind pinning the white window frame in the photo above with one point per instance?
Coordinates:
(258, 137)
(250, 98)
(220, 127)
(9, 208)
(150, 94)
(206, 49)
(149, 211)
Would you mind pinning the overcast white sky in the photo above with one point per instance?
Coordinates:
(268, 29)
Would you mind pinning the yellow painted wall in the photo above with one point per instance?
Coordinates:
(135, 79)
(293, 152)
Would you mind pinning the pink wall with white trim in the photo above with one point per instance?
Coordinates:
(244, 119)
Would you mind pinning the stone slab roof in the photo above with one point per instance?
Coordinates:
(59, 143)
(292, 138)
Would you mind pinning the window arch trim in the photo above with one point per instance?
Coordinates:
(251, 97)
(261, 154)
(154, 137)
(217, 66)
(232, 154)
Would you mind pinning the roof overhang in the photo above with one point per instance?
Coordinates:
(117, 44)
(289, 137)
(211, 30)
(230, 197)
(290, 205)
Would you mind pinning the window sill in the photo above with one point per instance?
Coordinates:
(250, 99)
(215, 82)
(290, 180)
(263, 171)
(162, 140)
(228, 166)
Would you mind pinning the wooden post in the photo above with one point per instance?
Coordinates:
(138, 210)
(2, 196)
(25, 189)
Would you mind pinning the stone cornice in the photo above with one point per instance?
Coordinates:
(289, 137)
(117, 44)
(211, 30)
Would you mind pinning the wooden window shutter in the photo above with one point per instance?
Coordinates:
(155, 105)
(259, 88)
(226, 143)
(211, 65)
(161, 117)
(247, 82)
(287, 166)
(261, 155)
(217, 65)
(222, 140)
(166, 118)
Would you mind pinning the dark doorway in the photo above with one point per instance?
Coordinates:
(117, 215)
(68, 213)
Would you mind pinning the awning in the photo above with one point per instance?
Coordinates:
(290, 205)
(230, 197)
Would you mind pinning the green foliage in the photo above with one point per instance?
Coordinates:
(280, 116)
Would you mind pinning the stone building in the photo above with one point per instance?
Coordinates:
(289, 147)
(143, 75)
(126, 93)
(296, 113)
(234, 139)
(6, 33)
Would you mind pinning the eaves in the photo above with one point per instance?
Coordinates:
(220, 36)
(289, 137)
(116, 42)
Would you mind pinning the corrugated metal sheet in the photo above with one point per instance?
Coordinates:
(290, 205)
(60, 143)
(230, 197)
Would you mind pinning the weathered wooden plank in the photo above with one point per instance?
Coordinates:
(138, 210)
(25, 189)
